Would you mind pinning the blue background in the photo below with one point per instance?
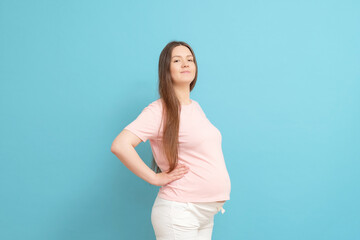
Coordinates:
(279, 79)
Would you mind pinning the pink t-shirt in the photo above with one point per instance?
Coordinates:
(199, 148)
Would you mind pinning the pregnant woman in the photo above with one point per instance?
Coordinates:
(190, 166)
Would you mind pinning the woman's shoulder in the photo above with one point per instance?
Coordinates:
(155, 106)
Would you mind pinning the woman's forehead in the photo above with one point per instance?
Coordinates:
(181, 51)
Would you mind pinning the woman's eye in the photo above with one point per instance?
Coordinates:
(189, 60)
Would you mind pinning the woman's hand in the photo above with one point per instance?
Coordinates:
(164, 178)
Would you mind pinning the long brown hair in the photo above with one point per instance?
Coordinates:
(171, 106)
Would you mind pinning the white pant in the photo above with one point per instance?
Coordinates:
(173, 220)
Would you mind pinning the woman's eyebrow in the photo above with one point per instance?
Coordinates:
(180, 56)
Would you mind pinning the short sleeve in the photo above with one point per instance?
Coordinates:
(146, 125)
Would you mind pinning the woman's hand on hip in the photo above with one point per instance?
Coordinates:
(164, 178)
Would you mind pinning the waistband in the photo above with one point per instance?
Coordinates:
(219, 205)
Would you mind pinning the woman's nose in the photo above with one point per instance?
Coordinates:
(185, 64)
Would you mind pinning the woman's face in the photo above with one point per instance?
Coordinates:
(182, 65)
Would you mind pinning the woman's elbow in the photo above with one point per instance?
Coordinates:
(117, 146)
(113, 148)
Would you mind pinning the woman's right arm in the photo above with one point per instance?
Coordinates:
(124, 148)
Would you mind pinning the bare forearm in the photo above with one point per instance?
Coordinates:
(131, 159)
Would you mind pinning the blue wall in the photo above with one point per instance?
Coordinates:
(279, 79)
